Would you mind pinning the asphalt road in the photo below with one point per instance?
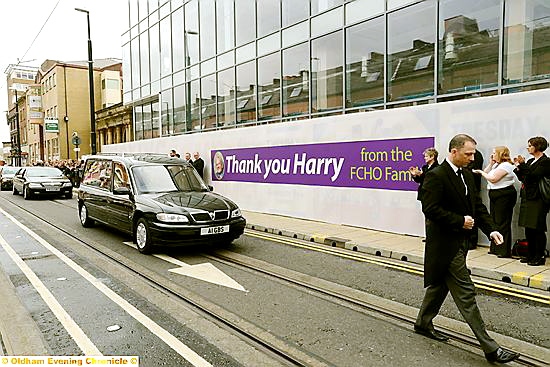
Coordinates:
(333, 331)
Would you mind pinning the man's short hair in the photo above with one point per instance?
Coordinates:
(459, 140)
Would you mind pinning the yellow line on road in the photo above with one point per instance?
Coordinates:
(497, 288)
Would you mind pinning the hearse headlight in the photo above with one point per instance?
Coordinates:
(172, 218)
(236, 213)
(35, 185)
(67, 184)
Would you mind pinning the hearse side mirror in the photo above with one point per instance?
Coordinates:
(211, 188)
(121, 191)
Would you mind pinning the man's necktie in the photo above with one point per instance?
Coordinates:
(461, 177)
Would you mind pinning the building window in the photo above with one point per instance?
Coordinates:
(468, 45)
(269, 87)
(207, 36)
(526, 41)
(365, 63)
(296, 80)
(245, 21)
(226, 97)
(326, 73)
(246, 92)
(269, 13)
(179, 109)
(208, 101)
(411, 37)
(226, 23)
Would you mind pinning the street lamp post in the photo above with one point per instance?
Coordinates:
(17, 135)
(91, 83)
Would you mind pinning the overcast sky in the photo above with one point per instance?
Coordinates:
(64, 36)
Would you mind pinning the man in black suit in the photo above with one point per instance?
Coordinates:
(452, 206)
(198, 163)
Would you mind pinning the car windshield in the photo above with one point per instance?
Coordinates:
(44, 172)
(165, 178)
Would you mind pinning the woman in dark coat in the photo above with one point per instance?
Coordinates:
(533, 211)
(430, 157)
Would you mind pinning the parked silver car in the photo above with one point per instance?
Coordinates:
(6, 176)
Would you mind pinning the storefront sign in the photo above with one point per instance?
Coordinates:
(380, 164)
(51, 125)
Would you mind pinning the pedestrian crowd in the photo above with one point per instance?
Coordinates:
(196, 161)
(453, 209)
(71, 168)
(501, 174)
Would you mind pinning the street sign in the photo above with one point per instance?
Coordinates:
(76, 140)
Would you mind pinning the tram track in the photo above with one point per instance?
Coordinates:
(270, 344)
(389, 309)
(256, 335)
(489, 286)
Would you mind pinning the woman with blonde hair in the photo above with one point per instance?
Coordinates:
(500, 177)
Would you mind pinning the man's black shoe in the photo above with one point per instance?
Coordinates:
(501, 356)
(525, 259)
(432, 334)
(537, 262)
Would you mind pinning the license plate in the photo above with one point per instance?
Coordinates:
(52, 188)
(214, 230)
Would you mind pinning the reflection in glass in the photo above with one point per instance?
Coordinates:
(154, 57)
(365, 63)
(147, 122)
(166, 118)
(294, 11)
(468, 44)
(177, 39)
(208, 101)
(138, 123)
(134, 50)
(192, 27)
(246, 92)
(296, 80)
(225, 21)
(269, 86)
(326, 72)
(207, 28)
(245, 21)
(195, 103)
(526, 41)
(126, 69)
(226, 97)
(179, 109)
(318, 6)
(268, 17)
(156, 119)
(144, 56)
(165, 47)
(411, 34)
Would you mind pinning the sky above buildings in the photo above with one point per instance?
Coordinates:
(28, 36)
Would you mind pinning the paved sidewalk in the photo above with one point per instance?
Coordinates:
(396, 246)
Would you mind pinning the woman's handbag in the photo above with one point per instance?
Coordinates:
(520, 248)
(544, 188)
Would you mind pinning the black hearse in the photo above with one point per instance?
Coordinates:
(157, 199)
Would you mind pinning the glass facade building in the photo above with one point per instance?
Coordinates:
(201, 65)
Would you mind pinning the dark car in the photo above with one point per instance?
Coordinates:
(157, 199)
(41, 181)
(6, 177)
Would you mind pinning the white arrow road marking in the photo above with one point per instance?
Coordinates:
(206, 271)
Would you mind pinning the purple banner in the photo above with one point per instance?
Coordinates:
(380, 164)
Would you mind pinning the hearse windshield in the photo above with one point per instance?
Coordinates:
(166, 178)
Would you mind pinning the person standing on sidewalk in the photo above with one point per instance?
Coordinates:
(500, 177)
(533, 211)
(452, 206)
